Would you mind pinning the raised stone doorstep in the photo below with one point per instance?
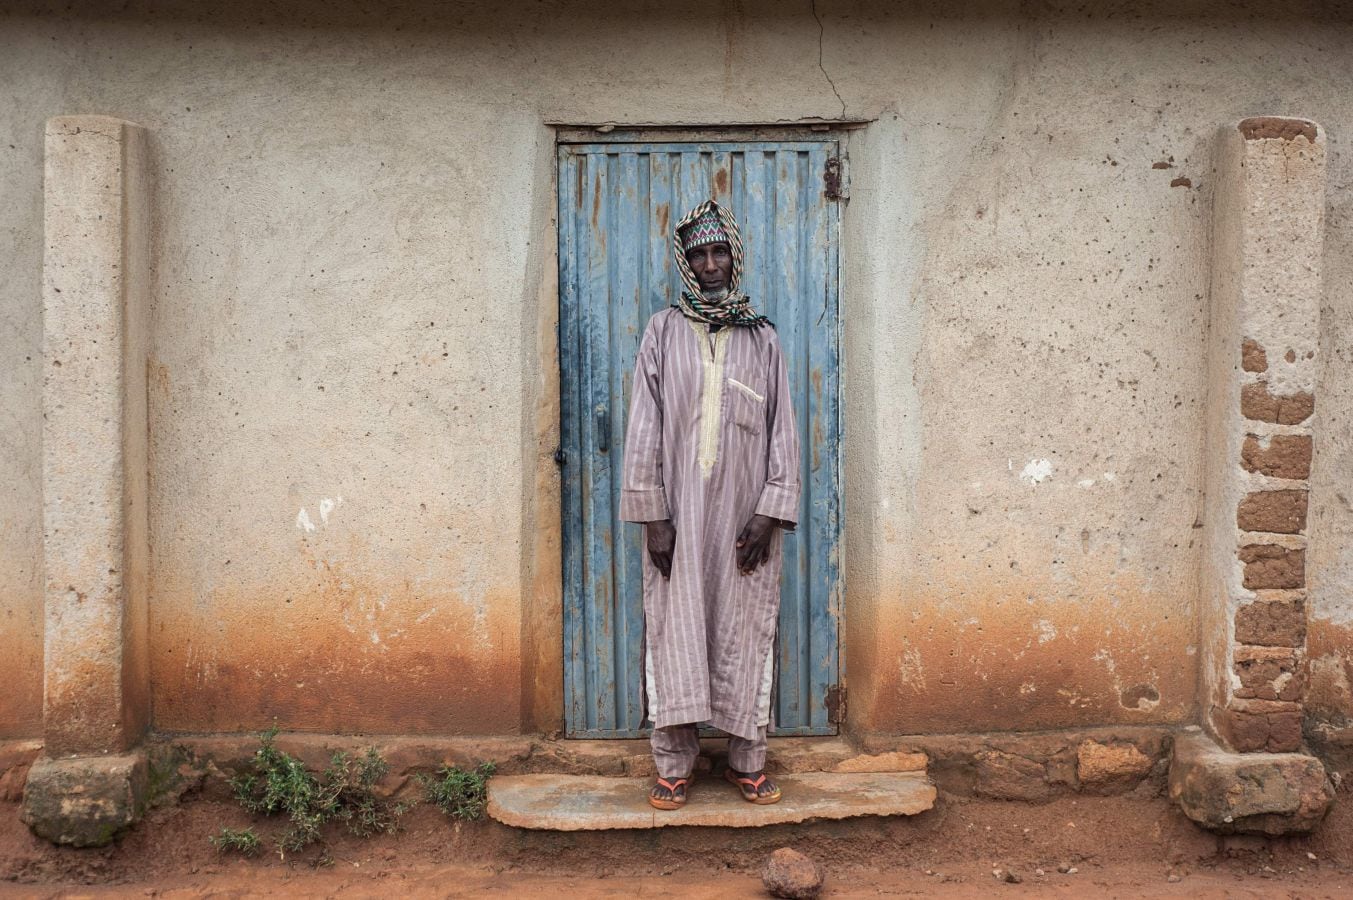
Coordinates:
(596, 803)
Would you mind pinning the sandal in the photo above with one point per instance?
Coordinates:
(750, 787)
(675, 789)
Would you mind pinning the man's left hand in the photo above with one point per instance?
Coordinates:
(754, 543)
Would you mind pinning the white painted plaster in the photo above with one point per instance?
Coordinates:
(1036, 471)
(328, 505)
(911, 669)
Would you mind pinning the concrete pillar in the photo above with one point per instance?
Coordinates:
(95, 331)
(1264, 335)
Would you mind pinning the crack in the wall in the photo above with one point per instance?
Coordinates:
(821, 35)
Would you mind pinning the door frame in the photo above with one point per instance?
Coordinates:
(837, 133)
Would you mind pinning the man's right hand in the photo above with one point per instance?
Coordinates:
(661, 539)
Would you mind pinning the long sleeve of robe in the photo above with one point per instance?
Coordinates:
(710, 442)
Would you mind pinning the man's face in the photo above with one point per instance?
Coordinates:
(712, 265)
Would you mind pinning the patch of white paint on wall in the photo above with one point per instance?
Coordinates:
(1086, 482)
(327, 506)
(1046, 631)
(303, 521)
(1104, 657)
(1074, 699)
(1036, 471)
(912, 670)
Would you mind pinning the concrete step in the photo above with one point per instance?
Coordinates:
(596, 803)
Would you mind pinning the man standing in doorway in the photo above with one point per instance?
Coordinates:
(711, 469)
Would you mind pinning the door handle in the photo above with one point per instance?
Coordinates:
(603, 429)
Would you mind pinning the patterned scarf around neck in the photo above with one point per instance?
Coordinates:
(736, 309)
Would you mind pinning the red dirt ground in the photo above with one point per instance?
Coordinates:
(1120, 846)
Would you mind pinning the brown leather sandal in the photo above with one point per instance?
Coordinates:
(750, 787)
(676, 789)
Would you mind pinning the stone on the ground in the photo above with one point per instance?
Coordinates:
(790, 874)
(84, 801)
(12, 782)
(1112, 767)
(1009, 776)
(15, 758)
(1250, 793)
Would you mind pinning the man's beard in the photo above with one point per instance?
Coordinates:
(715, 297)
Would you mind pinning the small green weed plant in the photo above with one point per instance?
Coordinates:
(237, 840)
(460, 793)
(279, 784)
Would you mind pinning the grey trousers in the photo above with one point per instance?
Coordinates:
(676, 748)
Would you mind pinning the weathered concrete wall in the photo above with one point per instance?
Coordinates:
(1033, 474)
(345, 552)
(353, 516)
(21, 150)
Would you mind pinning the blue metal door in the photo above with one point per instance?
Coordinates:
(617, 204)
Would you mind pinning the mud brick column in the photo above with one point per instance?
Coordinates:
(87, 785)
(1263, 341)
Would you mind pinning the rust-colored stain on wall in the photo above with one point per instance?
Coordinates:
(21, 699)
(993, 659)
(353, 655)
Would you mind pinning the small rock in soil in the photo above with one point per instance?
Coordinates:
(1064, 868)
(1006, 876)
(1174, 879)
(792, 875)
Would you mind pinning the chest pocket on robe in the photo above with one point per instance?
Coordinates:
(745, 400)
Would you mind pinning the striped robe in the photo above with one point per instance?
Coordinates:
(710, 441)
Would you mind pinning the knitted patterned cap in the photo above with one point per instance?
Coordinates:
(707, 229)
